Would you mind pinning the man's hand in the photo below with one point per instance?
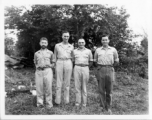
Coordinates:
(95, 64)
(113, 82)
(90, 64)
(116, 64)
(49, 66)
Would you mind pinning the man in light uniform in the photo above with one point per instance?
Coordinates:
(63, 56)
(105, 57)
(43, 60)
(82, 59)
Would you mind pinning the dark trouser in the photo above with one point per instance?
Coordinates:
(105, 76)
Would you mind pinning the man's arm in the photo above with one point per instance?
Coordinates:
(35, 60)
(116, 58)
(95, 58)
(73, 58)
(55, 53)
(52, 60)
(90, 59)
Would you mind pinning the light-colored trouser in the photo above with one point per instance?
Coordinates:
(81, 77)
(43, 80)
(63, 76)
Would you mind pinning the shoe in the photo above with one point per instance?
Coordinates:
(77, 104)
(109, 112)
(56, 105)
(102, 109)
(101, 105)
(77, 107)
(84, 105)
(40, 106)
(48, 107)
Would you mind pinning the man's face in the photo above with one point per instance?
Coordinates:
(81, 43)
(65, 37)
(43, 44)
(105, 41)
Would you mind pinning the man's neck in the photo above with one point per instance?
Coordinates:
(81, 48)
(43, 49)
(65, 43)
(105, 46)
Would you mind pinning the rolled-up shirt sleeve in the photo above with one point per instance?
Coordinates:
(72, 54)
(90, 56)
(52, 58)
(95, 56)
(116, 58)
(35, 60)
(55, 53)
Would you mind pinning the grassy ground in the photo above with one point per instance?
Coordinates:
(130, 96)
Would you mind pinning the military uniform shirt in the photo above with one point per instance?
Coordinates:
(62, 51)
(82, 56)
(106, 56)
(43, 58)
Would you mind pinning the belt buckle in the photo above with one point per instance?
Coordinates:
(83, 65)
(63, 58)
(41, 68)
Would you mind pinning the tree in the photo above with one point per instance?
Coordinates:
(9, 45)
(87, 21)
(144, 44)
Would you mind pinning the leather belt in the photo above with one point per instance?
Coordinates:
(105, 65)
(64, 58)
(39, 68)
(81, 65)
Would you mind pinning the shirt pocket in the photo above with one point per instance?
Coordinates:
(69, 51)
(85, 56)
(76, 55)
(47, 56)
(100, 56)
(109, 57)
(47, 59)
(39, 59)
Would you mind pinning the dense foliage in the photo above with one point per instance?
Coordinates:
(87, 21)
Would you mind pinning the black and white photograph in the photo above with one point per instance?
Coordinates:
(76, 60)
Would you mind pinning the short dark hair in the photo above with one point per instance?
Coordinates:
(65, 32)
(105, 35)
(43, 38)
(82, 38)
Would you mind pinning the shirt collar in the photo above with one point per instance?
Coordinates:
(61, 44)
(44, 49)
(107, 47)
(81, 49)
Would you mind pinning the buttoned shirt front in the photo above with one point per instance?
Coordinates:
(106, 56)
(82, 56)
(63, 51)
(43, 58)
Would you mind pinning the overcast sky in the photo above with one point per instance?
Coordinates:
(139, 11)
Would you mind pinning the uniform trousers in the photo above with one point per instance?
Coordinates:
(81, 77)
(105, 76)
(44, 80)
(63, 76)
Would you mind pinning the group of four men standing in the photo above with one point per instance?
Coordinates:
(63, 59)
